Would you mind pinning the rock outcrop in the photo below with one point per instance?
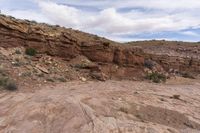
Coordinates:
(181, 57)
(114, 59)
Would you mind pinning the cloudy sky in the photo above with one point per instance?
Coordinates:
(120, 20)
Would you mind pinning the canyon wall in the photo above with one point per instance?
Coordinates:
(115, 59)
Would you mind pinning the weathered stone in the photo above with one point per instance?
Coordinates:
(68, 44)
(43, 69)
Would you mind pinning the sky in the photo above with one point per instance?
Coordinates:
(119, 20)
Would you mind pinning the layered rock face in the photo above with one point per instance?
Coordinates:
(180, 56)
(22, 33)
(114, 59)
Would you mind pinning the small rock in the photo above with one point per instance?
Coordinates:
(136, 92)
(2, 122)
(83, 79)
(120, 99)
(176, 97)
(42, 69)
(4, 52)
(162, 99)
(99, 76)
(151, 130)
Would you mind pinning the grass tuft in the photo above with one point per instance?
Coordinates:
(156, 77)
(31, 51)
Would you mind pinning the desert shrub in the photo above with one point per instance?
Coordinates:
(11, 86)
(80, 66)
(57, 26)
(48, 52)
(8, 84)
(32, 21)
(3, 72)
(61, 79)
(3, 81)
(40, 75)
(31, 51)
(17, 51)
(149, 64)
(96, 37)
(188, 75)
(156, 77)
(50, 80)
(26, 74)
(17, 63)
(106, 44)
(3, 77)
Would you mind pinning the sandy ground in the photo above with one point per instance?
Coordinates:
(102, 107)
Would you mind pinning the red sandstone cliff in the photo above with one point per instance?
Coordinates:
(116, 60)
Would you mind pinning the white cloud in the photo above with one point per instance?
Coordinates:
(59, 14)
(27, 14)
(160, 4)
(113, 22)
(151, 16)
(150, 4)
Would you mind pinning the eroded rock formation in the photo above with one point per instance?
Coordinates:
(115, 59)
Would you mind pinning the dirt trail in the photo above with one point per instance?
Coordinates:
(102, 107)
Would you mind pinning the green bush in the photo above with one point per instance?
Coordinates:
(11, 86)
(7, 84)
(3, 81)
(31, 51)
(149, 63)
(156, 77)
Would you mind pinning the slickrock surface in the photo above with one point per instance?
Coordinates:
(102, 107)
